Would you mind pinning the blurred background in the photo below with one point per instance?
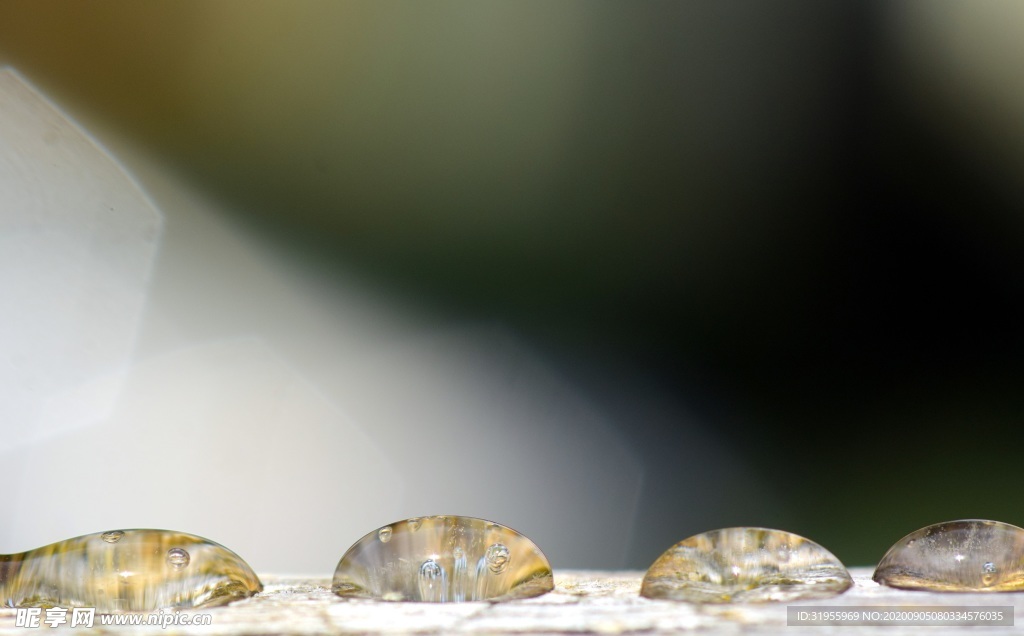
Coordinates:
(611, 274)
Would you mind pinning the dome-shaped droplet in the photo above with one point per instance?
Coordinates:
(177, 558)
(113, 536)
(745, 565)
(444, 559)
(971, 555)
(149, 569)
(384, 534)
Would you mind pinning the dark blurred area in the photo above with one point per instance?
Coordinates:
(776, 215)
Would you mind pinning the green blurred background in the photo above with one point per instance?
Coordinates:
(802, 221)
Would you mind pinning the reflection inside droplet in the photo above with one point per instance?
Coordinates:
(131, 570)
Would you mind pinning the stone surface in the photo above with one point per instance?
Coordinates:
(971, 555)
(745, 565)
(126, 570)
(583, 602)
(443, 559)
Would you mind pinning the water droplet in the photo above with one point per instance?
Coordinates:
(497, 558)
(742, 565)
(177, 558)
(384, 534)
(127, 571)
(444, 559)
(971, 555)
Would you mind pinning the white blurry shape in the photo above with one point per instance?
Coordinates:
(77, 238)
(223, 440)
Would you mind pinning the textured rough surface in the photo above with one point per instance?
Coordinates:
(583, 602)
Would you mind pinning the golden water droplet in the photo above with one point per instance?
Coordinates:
(150, 569)
(745, 565)
(444, 559)
(971, 555)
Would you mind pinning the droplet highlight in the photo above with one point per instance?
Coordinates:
(384, 534)
(444, 559)
(127, 571)
(745, 565)
(969, 555)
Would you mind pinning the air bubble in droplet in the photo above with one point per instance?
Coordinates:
(745, 565)
(433, 586)
(970, 555)
(444, 559)
(177, 558)
(113, 536)
(430, 569)
(384, 534)
(497, 558)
